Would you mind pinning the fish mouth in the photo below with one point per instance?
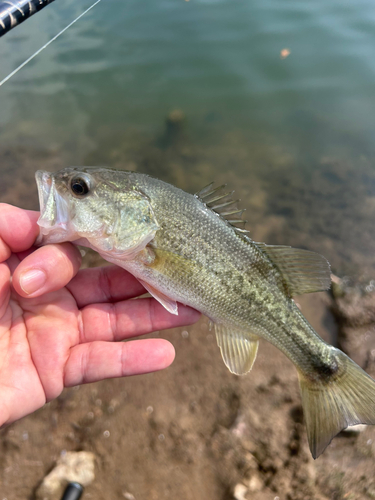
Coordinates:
(53, 218)
(44, 183)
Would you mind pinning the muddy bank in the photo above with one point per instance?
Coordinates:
(192, 431)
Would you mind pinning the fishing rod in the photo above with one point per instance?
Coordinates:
(45, 2)
(15, 12)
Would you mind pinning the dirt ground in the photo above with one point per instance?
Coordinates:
(195, 431)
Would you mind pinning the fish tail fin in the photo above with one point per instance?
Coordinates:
(333, 402)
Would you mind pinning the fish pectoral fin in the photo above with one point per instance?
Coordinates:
(238, 348)
(302, 270)
(169, 304)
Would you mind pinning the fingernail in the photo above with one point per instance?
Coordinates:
(32, 281)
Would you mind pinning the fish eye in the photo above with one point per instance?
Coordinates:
(79, 186)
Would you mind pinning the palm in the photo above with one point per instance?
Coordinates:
(62, 336)
(35, 339)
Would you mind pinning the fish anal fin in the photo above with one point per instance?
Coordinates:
(303, 271)
(238, 348)
(330, 405)
(169, 304)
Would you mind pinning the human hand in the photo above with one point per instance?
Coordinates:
(60, 327)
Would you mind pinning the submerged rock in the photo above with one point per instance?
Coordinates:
(174, 131)
(354, 305)
(354, 308)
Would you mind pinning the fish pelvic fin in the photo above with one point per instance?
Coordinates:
(331, 404)
(238, 348)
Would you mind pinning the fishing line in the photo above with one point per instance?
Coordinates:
(48, 43)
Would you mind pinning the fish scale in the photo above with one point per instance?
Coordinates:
(182, 250)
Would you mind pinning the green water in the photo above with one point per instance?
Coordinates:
(294, 136)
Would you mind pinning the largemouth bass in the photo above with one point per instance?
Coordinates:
(191, 249)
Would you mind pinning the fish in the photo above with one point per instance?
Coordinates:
(194, 249)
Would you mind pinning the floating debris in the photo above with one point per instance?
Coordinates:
(284, 53)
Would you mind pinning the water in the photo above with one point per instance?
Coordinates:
(295, 136)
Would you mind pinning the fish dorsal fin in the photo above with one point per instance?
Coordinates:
(221, 201)
(303, 271)
(169, 304)
(238, 348)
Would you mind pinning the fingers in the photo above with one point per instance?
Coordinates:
(100, 360)
(4, 288)
(130, 318)
(47, 269)
(104, 284)
(18, 229)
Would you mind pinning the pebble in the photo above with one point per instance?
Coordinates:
(240, 491)
(255, 484)
(128, 496)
